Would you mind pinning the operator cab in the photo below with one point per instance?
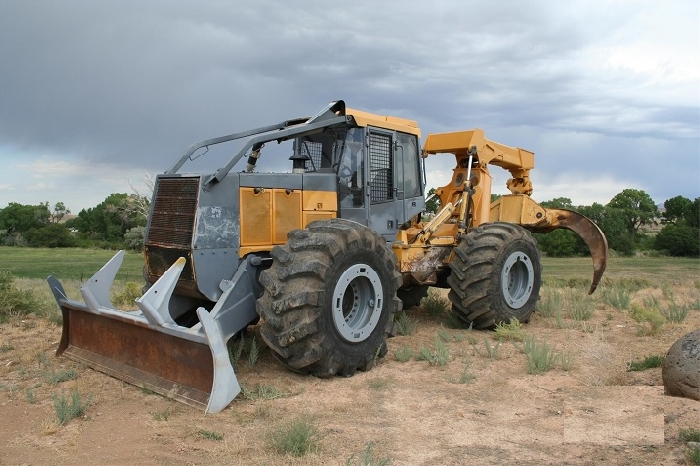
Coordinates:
(379, 173)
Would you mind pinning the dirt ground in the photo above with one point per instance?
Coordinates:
(413, 413)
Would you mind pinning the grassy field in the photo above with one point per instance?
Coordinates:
(80, 264)
(66, 264)
(654, 271)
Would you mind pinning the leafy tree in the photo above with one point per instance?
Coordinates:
(559, 203)
(566, 243)
(111, 219)
(433, 204)
(19, 218)
(692, 217)
(611, 221)
(59, 211)
(135, 238)
(637, 208)
(558, 243)
(678, 240)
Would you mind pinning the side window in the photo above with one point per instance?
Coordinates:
(409, 174)
(314, 151)
(319, 149)
(381, 168)
(351, 188)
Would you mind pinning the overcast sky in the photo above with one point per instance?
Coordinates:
(95, 93)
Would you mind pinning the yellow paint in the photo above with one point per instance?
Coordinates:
(490, 152)
(309, 217)
(256, 217)
(320, 200)
(403, 125)
(518, 209)
(269, 214)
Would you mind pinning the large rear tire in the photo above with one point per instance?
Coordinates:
(329, 298)
(495, 276)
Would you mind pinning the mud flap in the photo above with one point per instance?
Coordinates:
(147, 348)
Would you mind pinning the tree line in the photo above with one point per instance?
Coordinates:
(118, 221)
(630, 221)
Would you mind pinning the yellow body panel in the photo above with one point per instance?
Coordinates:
(313, 216)
(286, 208)
(519, 209)
(256, 217)
(320, 200)
(490, 152)
(267, 215)
(389, 122)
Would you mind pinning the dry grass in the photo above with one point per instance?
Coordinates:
(413, 412)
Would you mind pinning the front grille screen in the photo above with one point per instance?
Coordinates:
(174, 212)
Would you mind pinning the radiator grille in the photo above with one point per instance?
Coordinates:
(174, 213)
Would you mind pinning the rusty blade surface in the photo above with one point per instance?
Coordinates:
(586, 229)
(173, 367)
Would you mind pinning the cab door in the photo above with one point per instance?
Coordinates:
(382, 189)
(409, 182)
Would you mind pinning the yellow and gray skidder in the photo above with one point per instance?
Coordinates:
(323, 254)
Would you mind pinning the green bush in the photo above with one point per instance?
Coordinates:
(617, 297)
(511, 331)
(650, 316)
(404, 354)
(678, 240)
(366, 458)
(210, 435)
(675, 313)
(540, 356)
(15, 302)
(435, 304)
(67, 409)
(649, 362)
(127, 294)
(53, 235)
(405, 325)
(297, 437)
(580, 307)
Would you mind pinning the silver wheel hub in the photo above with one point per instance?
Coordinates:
(517, 279)
(357, 303)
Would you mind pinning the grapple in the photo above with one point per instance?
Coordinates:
(589, 232)
(147, 348)
(523, 210)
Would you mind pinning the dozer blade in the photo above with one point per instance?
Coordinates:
(147, 348)
(586, 229)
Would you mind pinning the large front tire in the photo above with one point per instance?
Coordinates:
(495, 276)
(329, 298)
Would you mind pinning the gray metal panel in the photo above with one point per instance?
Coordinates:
(271, 180)
(414, 206)
(320, 182)
(217, 236)
(382, 219)
(218, 218)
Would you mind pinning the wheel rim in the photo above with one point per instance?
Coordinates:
(357, 303)
(517, 279)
